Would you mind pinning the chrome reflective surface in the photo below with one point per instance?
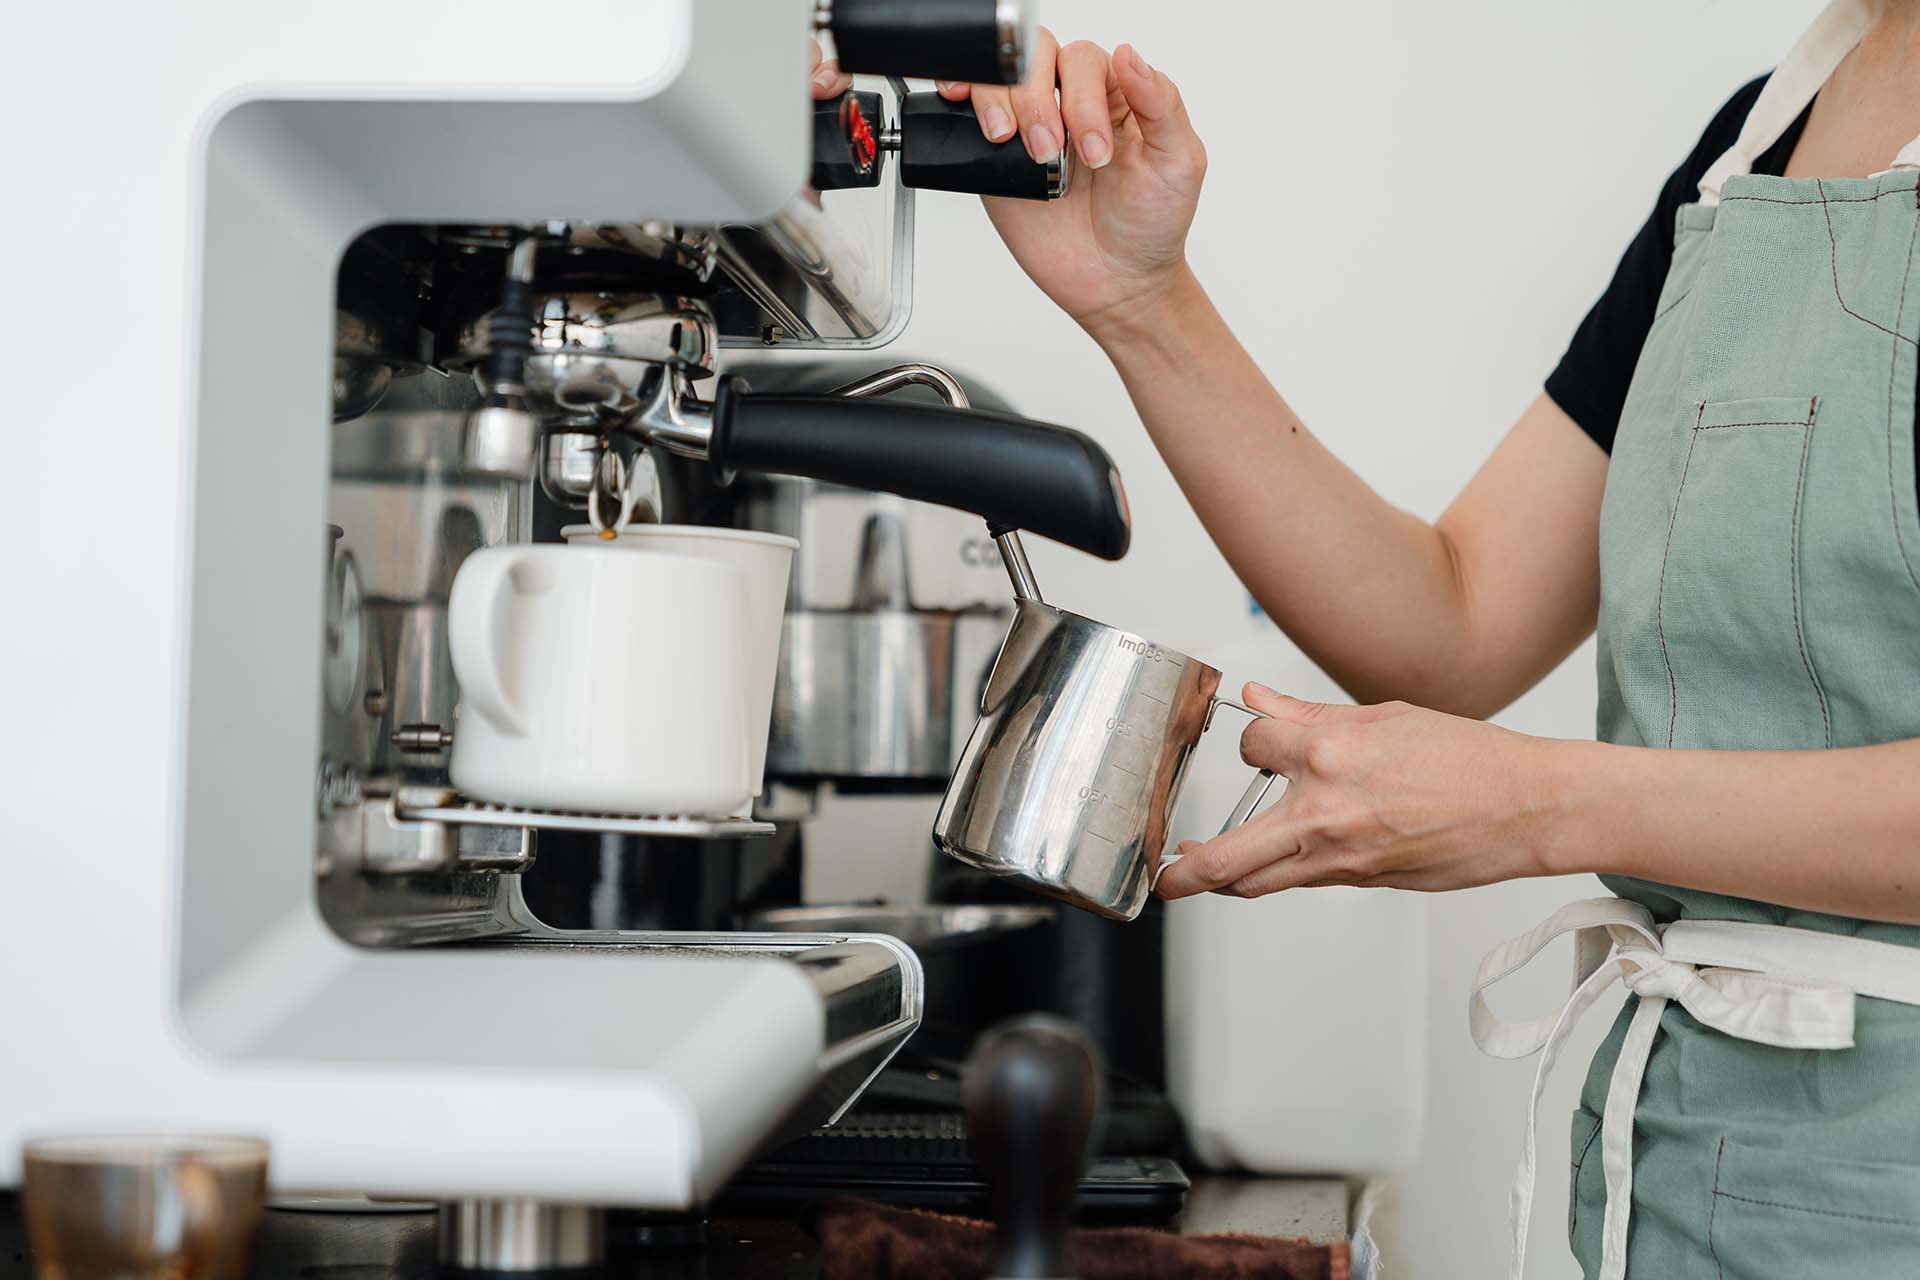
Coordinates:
(359, 384)
(520, 1235)
(689, 248)
(816, 273)
(922, 928)
(860, 549)
(893, 616)
(501, 440)
(871, 696)
(1070, 778)
(1013, 24)
(367, 356)
(410, 508)
(827, 273)
(872, 991)
(603, 353)
(567, 465)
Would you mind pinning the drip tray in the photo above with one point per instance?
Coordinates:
(925, 1161)
(469, 813)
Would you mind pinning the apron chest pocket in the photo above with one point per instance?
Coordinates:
(1778, 1212)
(1731, 613)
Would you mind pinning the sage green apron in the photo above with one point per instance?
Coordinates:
(1760, 589)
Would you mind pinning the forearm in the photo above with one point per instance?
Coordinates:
(1378, 597)
(1834, 831)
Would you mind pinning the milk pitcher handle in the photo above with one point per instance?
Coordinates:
(1263, 781)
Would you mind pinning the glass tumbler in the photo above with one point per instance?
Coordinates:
(143, 1208)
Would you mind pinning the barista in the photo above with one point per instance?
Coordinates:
(1720, 476)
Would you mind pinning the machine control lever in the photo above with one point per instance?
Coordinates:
(939, 146)
(983, 41)
(942, 149)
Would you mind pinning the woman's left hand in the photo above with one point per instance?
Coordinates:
(1388, 796)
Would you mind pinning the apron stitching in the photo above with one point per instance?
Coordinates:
(1660, 598)
(1586, 1147)
(1825, 1213)
(1729, 426)
(1799, 634)
(1668, 309)
(1833, 244)
(1713, 1208)
(1573, 1187)
(1900, 191)
(1893, 372)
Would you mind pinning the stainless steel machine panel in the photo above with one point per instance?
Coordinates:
(878, 697)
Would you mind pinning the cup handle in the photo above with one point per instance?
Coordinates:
(476, 627)
(1263, 781)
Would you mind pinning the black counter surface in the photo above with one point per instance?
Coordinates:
(400, 1246)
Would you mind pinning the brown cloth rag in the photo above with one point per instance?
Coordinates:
(863, 1241)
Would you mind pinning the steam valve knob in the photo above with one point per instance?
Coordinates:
(940, 147)
(979, 41)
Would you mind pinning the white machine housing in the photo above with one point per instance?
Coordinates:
(185, 178)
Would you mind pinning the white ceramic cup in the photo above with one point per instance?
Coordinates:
(601, 680)
(766, 559)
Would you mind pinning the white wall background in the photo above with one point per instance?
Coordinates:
(1410, 207)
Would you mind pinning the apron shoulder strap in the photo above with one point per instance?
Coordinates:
(1799, 77)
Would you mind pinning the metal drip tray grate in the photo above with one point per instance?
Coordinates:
(929, 1139)
(926, 1160)
(469, 813)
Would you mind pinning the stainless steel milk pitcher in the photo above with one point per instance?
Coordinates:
(1070, 779)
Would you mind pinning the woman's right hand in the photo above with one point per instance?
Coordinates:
(1117, 242)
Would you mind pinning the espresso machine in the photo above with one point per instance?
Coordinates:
(444, 291)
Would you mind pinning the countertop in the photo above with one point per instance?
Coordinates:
(400, 1246)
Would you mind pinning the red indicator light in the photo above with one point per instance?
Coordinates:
(866, 147)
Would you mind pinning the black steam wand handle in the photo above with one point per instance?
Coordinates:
(1011, 471)
(1032, 1090)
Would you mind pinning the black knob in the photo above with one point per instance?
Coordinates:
(942, 149)
(982, 41)
(1032, 1090)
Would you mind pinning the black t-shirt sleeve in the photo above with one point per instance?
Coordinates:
(1591, 381)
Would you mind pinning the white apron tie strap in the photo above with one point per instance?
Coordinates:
(1794, 83)
(1909, 157)
(1793, 988)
